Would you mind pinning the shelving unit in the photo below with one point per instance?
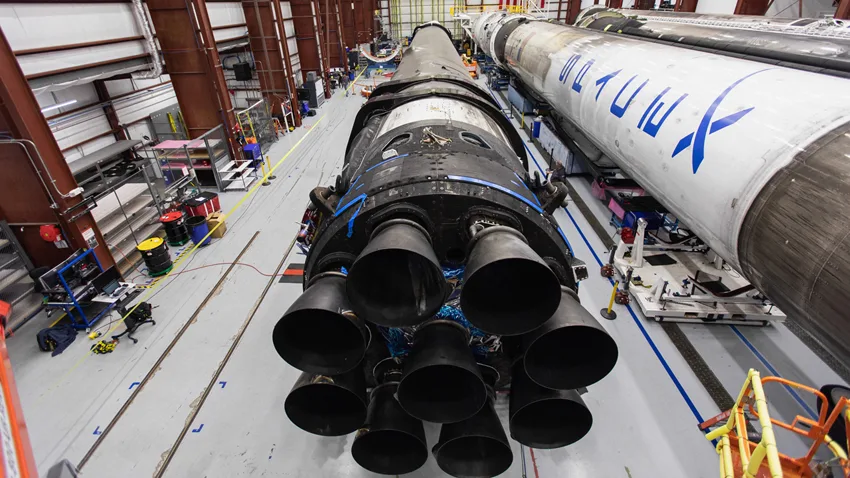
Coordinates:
(127, 216)
(126, 213)
(100, 170)
(238, 176)
(206, 158)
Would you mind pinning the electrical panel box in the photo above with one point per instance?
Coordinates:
(243, 71)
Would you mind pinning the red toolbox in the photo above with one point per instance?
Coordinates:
(203, 204)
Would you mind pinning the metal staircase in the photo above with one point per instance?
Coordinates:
(16, 286)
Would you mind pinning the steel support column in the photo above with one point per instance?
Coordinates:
(280, 24)
(188, 47)
(322, 40)
(843, 10)
(330, 36)
(685, 6)
(573, 9)
(262, 34)
(341, 34)
(307, 35)
(751, 7)
(35, 177)
(109, 110)
(350, 20)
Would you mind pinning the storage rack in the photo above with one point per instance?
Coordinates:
(126, 216)
(206, 158)
(126, 210)
(92, 170)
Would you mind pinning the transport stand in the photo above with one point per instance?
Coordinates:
(686, 284)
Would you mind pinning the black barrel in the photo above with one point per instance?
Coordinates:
(441, 382)
(175, 228)
(571, 350)
(477, 446)
(545, 418)
(328, 405)
(392, 442)
(508, 289)
(397, 280)
(156, 256)
(320, 333)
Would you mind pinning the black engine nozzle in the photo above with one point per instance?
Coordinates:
(441, 382)
(571, 350)
(477, 446)
(392, 442)
(328, 406)
(397, 280)
(501, 274)
(545, 418)
(320, 333)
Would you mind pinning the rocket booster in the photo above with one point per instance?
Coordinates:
(754, 158)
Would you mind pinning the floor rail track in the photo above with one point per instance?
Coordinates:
(137, 390)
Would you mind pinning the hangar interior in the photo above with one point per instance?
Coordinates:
(354, 238)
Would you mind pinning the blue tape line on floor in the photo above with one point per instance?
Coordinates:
(770, 367)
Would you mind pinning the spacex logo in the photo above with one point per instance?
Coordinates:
(708, 125)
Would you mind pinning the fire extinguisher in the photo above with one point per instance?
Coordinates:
(52, 233)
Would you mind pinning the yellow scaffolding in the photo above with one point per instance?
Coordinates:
(762, 459)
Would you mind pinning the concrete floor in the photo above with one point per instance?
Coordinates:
(645, 412)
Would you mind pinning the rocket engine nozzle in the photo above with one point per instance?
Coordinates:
(392, 442)
(442, 382)
(477, 446)
(502, 273)
(544, 418)
(319, 333)
(396, 280)
(571, 350)
(328, 405)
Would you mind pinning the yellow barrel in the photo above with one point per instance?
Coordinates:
(156, 256)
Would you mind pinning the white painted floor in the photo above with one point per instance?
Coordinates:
(645, 412)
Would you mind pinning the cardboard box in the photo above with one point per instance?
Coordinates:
(213, 220)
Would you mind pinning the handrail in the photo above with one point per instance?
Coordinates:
(477, 9)
(766, 448)
(752, 398)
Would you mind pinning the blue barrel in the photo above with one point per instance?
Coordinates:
(198, 229)
(535, 127)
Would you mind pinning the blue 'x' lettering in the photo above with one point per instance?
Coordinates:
(707, 127)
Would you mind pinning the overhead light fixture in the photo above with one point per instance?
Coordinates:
(57, 106)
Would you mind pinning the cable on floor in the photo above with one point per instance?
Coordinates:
(220, 264)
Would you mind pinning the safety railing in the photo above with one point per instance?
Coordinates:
(763, 458)
(479, 9)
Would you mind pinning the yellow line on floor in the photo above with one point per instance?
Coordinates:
(351, 85)
(57, 320)
(183, 256)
